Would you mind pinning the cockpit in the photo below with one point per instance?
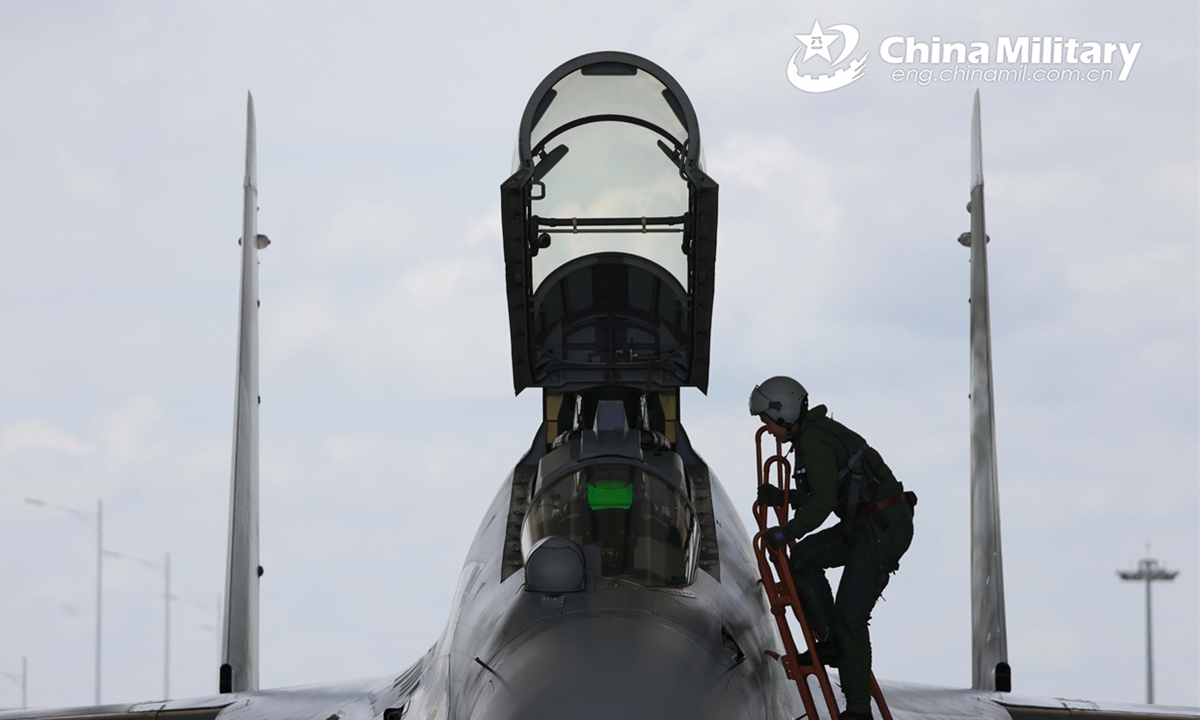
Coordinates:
(609, 233)
(644, 527)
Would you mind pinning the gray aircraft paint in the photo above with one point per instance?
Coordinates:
(239, 643)
(522, 635)
(989, 644)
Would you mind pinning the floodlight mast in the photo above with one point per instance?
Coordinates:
(20, 681)
(98, 518)
(1148, 571)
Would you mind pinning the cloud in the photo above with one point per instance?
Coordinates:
(133, 433)
(486, 231)
(1141, 269)
(35, 434)
(364, 229)
(87, 184)
(308, 315)
(440, 317)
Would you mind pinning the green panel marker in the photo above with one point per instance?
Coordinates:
(610, 495)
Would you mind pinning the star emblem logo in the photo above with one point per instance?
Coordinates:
(820, 42)
(817, 42)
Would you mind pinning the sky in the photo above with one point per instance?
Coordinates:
(388, 418)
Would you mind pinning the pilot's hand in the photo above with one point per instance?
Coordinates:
(776, 537)
(768, 494)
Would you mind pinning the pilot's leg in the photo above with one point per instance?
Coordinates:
(863, 579)
(809, 559)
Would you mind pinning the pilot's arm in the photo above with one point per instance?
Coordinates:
(821, 476)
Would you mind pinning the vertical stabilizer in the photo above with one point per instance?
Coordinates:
(239, 643)
(989, 637)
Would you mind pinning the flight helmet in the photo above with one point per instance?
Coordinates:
(783, 400)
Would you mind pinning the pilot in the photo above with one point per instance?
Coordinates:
(835, 471)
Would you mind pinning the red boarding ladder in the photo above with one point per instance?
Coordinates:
(781, 591)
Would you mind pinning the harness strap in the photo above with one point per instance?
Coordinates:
(854, 470)
(896, 499)
(852, 461)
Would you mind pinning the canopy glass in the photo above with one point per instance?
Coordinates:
(606, 147)
(645, 527)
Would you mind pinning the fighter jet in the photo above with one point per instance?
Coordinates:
(611, 576)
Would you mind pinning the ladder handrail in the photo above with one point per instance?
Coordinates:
(781, 591)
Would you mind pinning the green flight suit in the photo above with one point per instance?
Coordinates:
(870, 554)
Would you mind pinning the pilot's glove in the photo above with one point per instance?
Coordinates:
(776, 537)
(768, 494)
(771, 495)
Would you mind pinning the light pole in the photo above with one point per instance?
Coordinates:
(1148, 571)
(165, 568)
(21, 682)
(215, 609)
(99, 520)
(167, 627)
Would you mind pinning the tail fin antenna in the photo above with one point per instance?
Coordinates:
(989, 634)
(239, 643)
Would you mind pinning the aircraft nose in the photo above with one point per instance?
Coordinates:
(609, 668)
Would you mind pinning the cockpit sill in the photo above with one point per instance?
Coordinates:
(616, 596)
(576, 449)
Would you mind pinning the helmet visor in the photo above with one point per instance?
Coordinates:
(759, 403)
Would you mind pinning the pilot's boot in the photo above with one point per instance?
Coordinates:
(827, 650)
(852, 715)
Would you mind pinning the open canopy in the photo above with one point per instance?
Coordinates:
(609, 231)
